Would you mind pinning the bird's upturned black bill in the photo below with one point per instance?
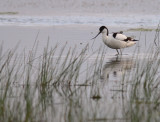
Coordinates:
(96, 36)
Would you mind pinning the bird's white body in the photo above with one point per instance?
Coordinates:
(116, 40)
(115, 43)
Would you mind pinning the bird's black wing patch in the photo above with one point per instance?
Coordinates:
(114, 35)
(128, 39)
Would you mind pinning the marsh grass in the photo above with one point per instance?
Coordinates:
(32, 80)
(144, 87)
(144, 90)
(63, 84)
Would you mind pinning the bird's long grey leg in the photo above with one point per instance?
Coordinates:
(117, 51)
(120, 51)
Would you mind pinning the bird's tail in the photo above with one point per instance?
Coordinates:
(135, 40)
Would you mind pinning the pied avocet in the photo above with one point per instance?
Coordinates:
(115, 40)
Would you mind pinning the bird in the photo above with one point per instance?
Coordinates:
(116, 40)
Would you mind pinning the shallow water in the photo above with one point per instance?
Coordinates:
(29, 37)
(106, 96)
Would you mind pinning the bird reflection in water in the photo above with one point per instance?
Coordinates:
(115, 67)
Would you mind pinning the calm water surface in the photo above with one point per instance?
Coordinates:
(106, 97)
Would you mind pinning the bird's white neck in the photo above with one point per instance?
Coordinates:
(104, 36)
(105, 33)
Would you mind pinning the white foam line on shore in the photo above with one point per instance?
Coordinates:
(128, 21)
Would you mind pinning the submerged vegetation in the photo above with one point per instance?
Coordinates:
(8, 13)
(77, 87)
(140, 29)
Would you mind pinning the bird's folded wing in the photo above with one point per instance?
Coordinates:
(120, 37)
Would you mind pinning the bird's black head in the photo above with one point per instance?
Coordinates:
(102, 28)
(100, 31)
